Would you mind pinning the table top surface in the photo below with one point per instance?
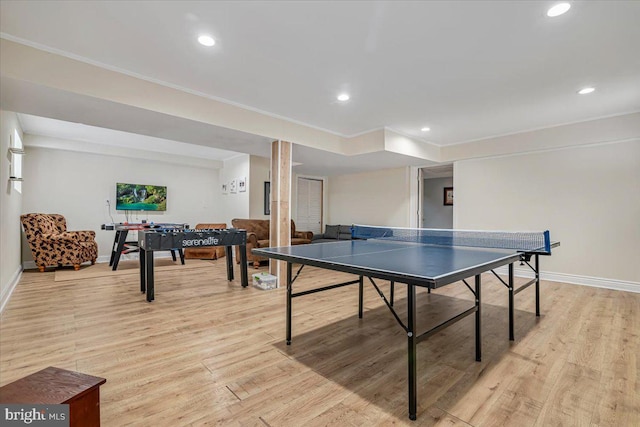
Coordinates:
(435, 265)
(49, 386)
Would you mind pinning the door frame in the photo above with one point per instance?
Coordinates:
(294, 196)
(416, 184)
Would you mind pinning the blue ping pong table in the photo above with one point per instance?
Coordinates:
(427, 258)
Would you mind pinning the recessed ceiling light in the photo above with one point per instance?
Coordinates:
(558, 9)
(586, 90)
(206, 40)
(425, 129)
(343, 97)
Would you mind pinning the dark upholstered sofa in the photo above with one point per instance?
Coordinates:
(333, 233)
(258, 237)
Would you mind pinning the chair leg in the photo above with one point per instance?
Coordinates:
(76, 267)
(93, 261)
(41, 268)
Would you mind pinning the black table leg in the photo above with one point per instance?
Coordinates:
(229, 253)
(289, 290)
(181, 253)
(478, 323)
(537, 265)
(392, 291)
(411, 351)
(511, 302)
(121, 239)
(360, 296)
(143, 271)
(150, 281)
(244, 274)
(114, 248)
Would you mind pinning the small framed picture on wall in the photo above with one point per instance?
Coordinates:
(448, 196)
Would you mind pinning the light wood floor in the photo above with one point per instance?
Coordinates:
(208, 352)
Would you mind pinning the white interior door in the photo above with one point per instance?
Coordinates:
(309, 205)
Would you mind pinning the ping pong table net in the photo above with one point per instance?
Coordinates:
(519, 241)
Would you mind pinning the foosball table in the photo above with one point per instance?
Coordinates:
(122, 246)
(162, 240)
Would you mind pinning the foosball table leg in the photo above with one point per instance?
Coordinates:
(229, 253)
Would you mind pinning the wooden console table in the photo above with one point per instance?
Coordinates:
(59, 386)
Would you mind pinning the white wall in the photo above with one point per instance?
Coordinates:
(10, 206)
(235, 205)
(77, 186)
(260, 168)
(260, 171)
(588, 197)
(434, 213)
(371, 198)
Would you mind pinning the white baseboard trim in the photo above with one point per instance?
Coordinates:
(134, 256)
(596, 282)
(27, 265)
(13, 282)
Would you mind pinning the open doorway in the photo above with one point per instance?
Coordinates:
(436, 208)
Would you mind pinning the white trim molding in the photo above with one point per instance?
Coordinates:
(28, 265)
(15, 279)
(596, 282)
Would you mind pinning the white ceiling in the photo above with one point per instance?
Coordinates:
(36, 125)
(468, 70)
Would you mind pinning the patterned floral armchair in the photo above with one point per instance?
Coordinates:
(52, 245)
